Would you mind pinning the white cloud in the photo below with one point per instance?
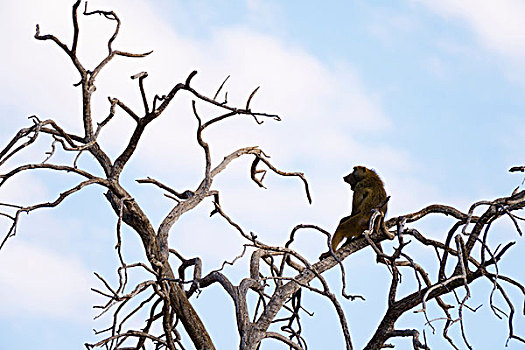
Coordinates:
(34, 281)
(497, 24)
(22, 190)
(293, 84)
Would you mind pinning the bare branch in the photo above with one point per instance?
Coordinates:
(55, 203)
(250, 98)
(220, 88)
(65, 168)
(434, 208)
(62, 46)
(38, 127)
(410, 333)
(109, 15)
(75, 27)
(141, 76)
(283, 173)
(186, 86)
(283, 339)
(184, 195)
(128, 110)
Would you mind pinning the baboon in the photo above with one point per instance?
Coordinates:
(369, 194)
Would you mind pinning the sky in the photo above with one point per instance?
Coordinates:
(429, 93)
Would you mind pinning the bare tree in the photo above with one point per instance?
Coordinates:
(278, 274)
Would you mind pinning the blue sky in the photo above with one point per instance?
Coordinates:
(429, 93)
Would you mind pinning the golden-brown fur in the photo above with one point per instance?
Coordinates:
(369, 194)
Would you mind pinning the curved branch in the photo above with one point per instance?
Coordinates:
(184, 195)
(283, 339)
(66, 168)
(56, 202)
(38, 127)
(431, 209)
(410, 333)
(283, 173)
(169, 97)
(72, 55)
(5, 154)
(75, 27)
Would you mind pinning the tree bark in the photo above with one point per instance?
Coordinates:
(135, 218)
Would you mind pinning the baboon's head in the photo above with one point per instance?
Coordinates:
(359, 173)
